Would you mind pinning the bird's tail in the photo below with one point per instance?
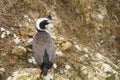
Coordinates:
(44, 71)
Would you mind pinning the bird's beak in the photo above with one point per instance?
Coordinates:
(50, 21)
(53, 21)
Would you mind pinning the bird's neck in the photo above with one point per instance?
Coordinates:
(45, 30)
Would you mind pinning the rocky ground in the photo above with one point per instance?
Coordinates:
(86, 35)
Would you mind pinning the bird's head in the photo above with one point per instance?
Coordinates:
(42, 22)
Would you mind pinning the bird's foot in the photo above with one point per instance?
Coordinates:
(40, 78)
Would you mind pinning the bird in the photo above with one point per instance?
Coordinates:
(43, 45)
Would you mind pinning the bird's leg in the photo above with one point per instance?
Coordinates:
(40, 77)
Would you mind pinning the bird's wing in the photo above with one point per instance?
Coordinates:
(50, 47)
(40, 44)
(38, 49)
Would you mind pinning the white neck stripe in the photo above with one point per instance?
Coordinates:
(38, 22)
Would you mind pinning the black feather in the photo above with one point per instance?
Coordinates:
(46, 64)
(49, 16)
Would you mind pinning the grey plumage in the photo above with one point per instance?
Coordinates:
(43, 51)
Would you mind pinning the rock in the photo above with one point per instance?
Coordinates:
(78, 47)
(59, 77)
(100, 17)
(17, 40)
(59, 53)
(25, 16)
(60, 40)
(85, 49)
(18, 50)
(25, 74)
(67, 45)
(104, 59)
(98, 67)
(32, 60)
(97, 16)
(2, 29)
(55, 65)
(2, 69)
(14, 35)
(49, 77)
(77, 11)
(67, 66)
(33, 74)
(29, 41)
(3, 35)
(8, 32)
(102, 9)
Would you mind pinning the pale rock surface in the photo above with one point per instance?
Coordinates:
(25, 74)
(55, 65)
(19, 50)
(59, 53)
(67, 45)
(32, 60)
(3, 35)
(2, 29)
(98, 67)
(16, 39)
(67, 66)
(33, 74)
(85, 49)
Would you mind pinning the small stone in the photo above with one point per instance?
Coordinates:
(8, 32)
(17, 40)
(53, 36)
(29, 20)
(77, 11)
(85, 50)
(78, 47)
(16, 72)
(12, 28)
(107, 68)
(3, 35)
(9, 78)
(2, 69)
(61, 38)
(59, 53)
(55, 65)
(20, 25)
(25, 74)
(2, 29)
(14, 35)
(25, 16)
(49, 77)
(19, 50)
(67, 45)
(34, 74)
(29, 41)
(32, 60)
(67, 66)
(101, 17)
